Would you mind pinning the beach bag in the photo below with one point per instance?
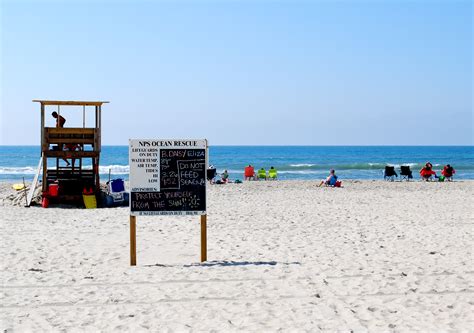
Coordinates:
(338, 184)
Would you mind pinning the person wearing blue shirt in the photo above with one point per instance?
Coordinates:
(330, 180)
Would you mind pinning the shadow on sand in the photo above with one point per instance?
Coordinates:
(229, 263)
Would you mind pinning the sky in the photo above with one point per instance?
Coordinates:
(243, 72)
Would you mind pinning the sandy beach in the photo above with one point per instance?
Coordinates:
(285, 255)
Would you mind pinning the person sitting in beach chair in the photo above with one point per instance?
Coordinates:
(405, 172)
(211, 174)
(272, 173)
(262, 174)
(249, 173)
(331, 180)
(427, 172)
(448, 172)
(390, 173)
(225, 177)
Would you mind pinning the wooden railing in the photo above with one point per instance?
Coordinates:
(79, 136)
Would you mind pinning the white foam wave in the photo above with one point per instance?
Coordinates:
(302, 165)
(17, 171)
(375, 164)
(301, 172)
(115, 169)
(396, 165)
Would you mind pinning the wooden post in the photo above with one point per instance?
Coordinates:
(100, 128)
(24, 192)
(203, 238)
(133, 241)
(43, 148)
(42, 128)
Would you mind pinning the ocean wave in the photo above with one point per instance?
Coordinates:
(346, 166)
(302, 165)
(300, 172)
(17, 170)
(301, 168)
(30, 170)
(115, 169)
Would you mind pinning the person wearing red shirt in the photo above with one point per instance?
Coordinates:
(249, 173)
(448, 172)
(427, 172)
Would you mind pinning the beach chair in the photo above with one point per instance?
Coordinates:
(211, 174)
(272, 173)
(117, 196)
(262, 174)
(448, 172)
(389, 173)
(405, 172)
(249, 173)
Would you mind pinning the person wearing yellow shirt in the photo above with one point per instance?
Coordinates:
(272, 173)
(262, 174)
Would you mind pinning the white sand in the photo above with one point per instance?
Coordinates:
(289, 256)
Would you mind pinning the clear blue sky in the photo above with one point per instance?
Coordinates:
(244, 72)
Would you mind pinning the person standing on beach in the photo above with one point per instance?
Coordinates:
(60, 120)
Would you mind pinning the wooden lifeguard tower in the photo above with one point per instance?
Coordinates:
(71, 143)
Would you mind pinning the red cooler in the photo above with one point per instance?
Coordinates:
(53, 190)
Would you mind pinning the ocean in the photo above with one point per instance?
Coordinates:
(292, 162)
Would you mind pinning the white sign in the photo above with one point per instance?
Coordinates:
(167, 177)
(144, 165)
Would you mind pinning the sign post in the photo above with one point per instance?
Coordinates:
(133, 240)
(203, 238)
(167, 177)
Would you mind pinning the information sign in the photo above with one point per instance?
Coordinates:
(167, 177)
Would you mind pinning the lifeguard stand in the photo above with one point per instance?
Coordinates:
(86, 141)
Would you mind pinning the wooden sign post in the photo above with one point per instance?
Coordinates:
(203, 238)
(167, 177)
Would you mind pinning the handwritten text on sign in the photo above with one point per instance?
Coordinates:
(168, 177)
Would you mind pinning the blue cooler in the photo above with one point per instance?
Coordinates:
(117, 185)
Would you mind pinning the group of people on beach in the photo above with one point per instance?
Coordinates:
(249, 174)
(427, 173)
(262, 174)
